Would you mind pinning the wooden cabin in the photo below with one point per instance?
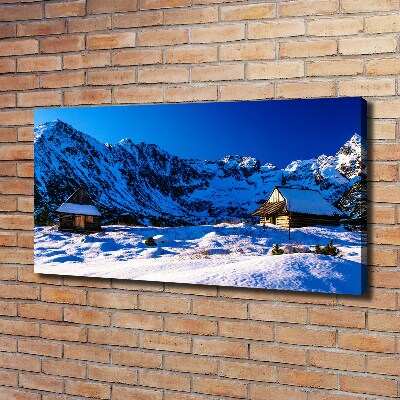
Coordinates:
(294, 208)
(79, 214)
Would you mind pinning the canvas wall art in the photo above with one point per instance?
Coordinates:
(257, 194)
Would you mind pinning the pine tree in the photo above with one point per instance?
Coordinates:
(43, 218)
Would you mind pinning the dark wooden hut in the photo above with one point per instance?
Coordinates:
(294, 208)
(79, 214)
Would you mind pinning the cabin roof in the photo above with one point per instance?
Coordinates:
(80, 209)
(79, 203)
(270, 208)
(302, 201)
(306, 201)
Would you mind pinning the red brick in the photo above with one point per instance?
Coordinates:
(191, 16)
(340, 318)
(335, 360)
(64, 79)
(278, 353)
(63, 295)
(8, 378)
(366, 342)
(165, 342)
(112, 374)
(308, 7)
(247, 371)
(368, 385)
(7, 100)
(223, 348)
(138, 20)
(86, 353)
(217, 308)
(216, 34)
(19, 328)
(220, 387)
(163, 380)
(198, 93)
(40, 311)
(113, 337)
(261, 392)
(150, 4)
(190, 326)
(21, 12)
(15, 222)
(25, 204)
(138, 321)
(105, 6)
(39, 347)
(266, 312)
(8, 239)
(114, 77)
(62, 44)
(19, 362)
(139, 94)
(64, 368)
(87, 96)
(87, 317)
(87, 389)
(67, 9)
(42, 28)
(41, 63)
(8, 309)
(15, 82)
(307, 337)
(137, 57)
(111, 40)
(136, 358)
(16, 117)
(63, 332)
(123, 393)
(7, 65)
(88, 60)
(196, 365)
(14, 394)
(39, 382)
(163, 37)
(304, 378)
(19, 47)
(163, 75)
(89, 24)
(8, 204)
(39, 99)
(112, 300)
(7, 31)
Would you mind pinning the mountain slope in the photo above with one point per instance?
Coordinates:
(156, 187)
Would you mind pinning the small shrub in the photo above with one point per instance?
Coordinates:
(276, 250)
(150, 241)
(328, 250)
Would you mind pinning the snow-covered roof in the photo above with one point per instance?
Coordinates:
(82, 209)
(307, 201)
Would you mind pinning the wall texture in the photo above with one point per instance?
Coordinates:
(70, 338)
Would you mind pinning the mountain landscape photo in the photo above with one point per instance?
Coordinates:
(198, 213)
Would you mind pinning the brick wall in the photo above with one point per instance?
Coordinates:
(74, 338)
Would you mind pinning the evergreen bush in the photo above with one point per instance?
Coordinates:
(150, 241)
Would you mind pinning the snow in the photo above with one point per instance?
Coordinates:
(83, 209)
(224, 254)
(307, 202)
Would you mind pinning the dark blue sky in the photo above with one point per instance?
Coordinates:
(278, 131)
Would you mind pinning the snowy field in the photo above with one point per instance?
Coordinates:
(223, 255)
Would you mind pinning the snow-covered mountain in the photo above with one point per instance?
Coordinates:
(153, 186)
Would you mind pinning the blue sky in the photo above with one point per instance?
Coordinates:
(278, 131)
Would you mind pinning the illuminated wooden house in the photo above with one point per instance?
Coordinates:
(79, 214)
(294, 208)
